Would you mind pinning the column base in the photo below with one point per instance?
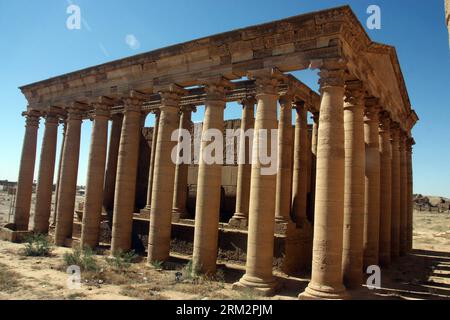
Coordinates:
(178, 214)
(284, 226)
(260, 287)
(145, 213)
(8, 233)
(298, 250)
(238, 220)
(324, 293)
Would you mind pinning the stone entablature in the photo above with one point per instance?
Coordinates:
(291, 44)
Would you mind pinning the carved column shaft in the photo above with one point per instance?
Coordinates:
(284, 169)
(95, 177)
(385, 190)
(326, 278)
(395, 202)
(260, 243)
(207, 209)
(26, 172)
(163, 177)
(181, 171)
(372, 186)
(111, 167)
(152, 160)
(314, 135)
(124, 194)
(46, 172)
(409, 174)
(240, 217)
(68, 184)
(300, 174)
(403, 195)
(352, 258)
(58, 177)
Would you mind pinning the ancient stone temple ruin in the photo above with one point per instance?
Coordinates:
(339, 201)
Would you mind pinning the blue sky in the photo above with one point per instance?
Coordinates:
(35, 44)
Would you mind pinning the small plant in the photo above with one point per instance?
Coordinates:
(158, 265)
(37, 245)
(122, 260)
(83, 258)
(189, 273)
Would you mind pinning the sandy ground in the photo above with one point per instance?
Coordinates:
(423, 274)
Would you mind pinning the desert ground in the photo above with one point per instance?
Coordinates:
(423, 274)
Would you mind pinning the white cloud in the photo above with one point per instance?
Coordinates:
(132, 41)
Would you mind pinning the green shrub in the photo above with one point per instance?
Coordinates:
(85, 259)
(158, 265)
(122, 260)
(37, 245)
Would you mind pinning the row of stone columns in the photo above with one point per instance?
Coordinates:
(363, 187)
(362, 180)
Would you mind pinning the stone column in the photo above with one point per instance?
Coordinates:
(240, 217)
(385, 190)
(124, 195)
(395, 202)
(409, 197)
(69, 172)
(299, 171)
(26, 172)
(181, 170)
(352, 256)
(372, 185)
(46, 172)
(207, 209)
(111, 167)
(151, 169)
(58, 177)
(326, 278)
(260, 242)
(403, 195)
(95, 175)
(314, 135)
(284, 169)
(300, 186)
(164, 176)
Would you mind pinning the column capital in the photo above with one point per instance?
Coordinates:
(215, 88)
(155, 111)
(354, 94)
(409, 144)
(403, 136)
(315, 117)
(248, 101)
(188, 108)
(385, 122)
(32, 118)
(171, 95)
(286, 99)
(52, 118)
(372, 109)
(133, 101)
(75, 111)
(395, 131)
(267, 80)
(332, 73)
(299, 105)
